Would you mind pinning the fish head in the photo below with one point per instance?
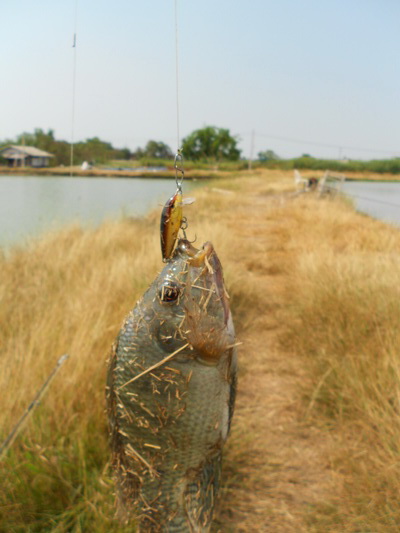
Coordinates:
(188, 303)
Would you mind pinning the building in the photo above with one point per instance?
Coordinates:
(25, 156)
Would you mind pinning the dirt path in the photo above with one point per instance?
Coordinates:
(277, 465)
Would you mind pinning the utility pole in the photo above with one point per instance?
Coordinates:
(23, 155)
(251, 149)
(73, 89)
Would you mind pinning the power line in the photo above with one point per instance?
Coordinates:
(358, 197)
(321, 144)
(392, 204)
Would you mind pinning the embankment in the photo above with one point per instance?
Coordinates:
(315, 295)
(204, 172)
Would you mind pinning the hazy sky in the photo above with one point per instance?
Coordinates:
(307, 76)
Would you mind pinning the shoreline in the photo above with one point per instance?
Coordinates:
(190, 174)
(77, 172)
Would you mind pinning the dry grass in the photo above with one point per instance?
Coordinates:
(344, 316)
(315, 294)
(68, 293)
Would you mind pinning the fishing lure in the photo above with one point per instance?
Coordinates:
(171, 222)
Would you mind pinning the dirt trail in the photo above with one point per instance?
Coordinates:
(277, 465)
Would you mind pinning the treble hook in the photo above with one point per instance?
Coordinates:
(179, 179)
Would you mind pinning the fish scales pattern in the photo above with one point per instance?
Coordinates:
(168, 427)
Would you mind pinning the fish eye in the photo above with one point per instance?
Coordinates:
(169, 292)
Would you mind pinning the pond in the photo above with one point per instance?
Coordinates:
(32, 205)
(378, 199)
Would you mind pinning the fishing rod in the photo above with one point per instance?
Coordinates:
(34, 403)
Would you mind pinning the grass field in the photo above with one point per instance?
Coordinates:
(315, 293)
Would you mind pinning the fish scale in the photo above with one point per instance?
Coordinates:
(168, 426)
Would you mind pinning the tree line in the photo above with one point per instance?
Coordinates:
(93, 149)
(209, 143)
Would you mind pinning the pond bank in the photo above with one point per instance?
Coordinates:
(190, 173)
(110, 173)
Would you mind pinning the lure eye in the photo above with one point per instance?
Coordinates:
(169, 292)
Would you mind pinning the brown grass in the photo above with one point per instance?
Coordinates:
(344, 315)
(314, 292)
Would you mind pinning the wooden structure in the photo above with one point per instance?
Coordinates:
(331, 183)
(25, 156)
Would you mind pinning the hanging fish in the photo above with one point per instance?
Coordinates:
(170, 395)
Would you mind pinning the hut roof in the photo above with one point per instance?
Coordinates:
(18, 152)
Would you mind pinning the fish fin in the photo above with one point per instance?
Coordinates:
(202, 330)
(201, 493)
(127, 483)
(110, 392)
(232, 380)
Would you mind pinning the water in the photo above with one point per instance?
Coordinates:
(380, 200)
(33, 205)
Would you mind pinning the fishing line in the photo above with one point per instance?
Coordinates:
(322, 144)
(172, 219)
(177, 72)
(73, 86)
(178, 163)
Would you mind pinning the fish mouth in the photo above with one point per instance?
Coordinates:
(207, 258)
(197, 258)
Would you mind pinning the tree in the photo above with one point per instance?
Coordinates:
(93, 149)
(211, 143)
(157, 150)
(267, 155)
(138, 153)
(122, 153)
(39, 139)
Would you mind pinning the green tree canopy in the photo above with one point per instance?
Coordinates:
(153, 150)
(267, 155)
(93, 149)
(158, 150)
(39, 139)
(211, 143)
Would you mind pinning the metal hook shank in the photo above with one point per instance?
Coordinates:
(178, 169)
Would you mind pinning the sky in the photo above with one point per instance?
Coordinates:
(294, 76)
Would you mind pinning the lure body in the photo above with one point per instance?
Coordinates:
(169, 425)
(171, 220)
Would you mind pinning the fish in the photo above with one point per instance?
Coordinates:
(171, 387)
(171, 221)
